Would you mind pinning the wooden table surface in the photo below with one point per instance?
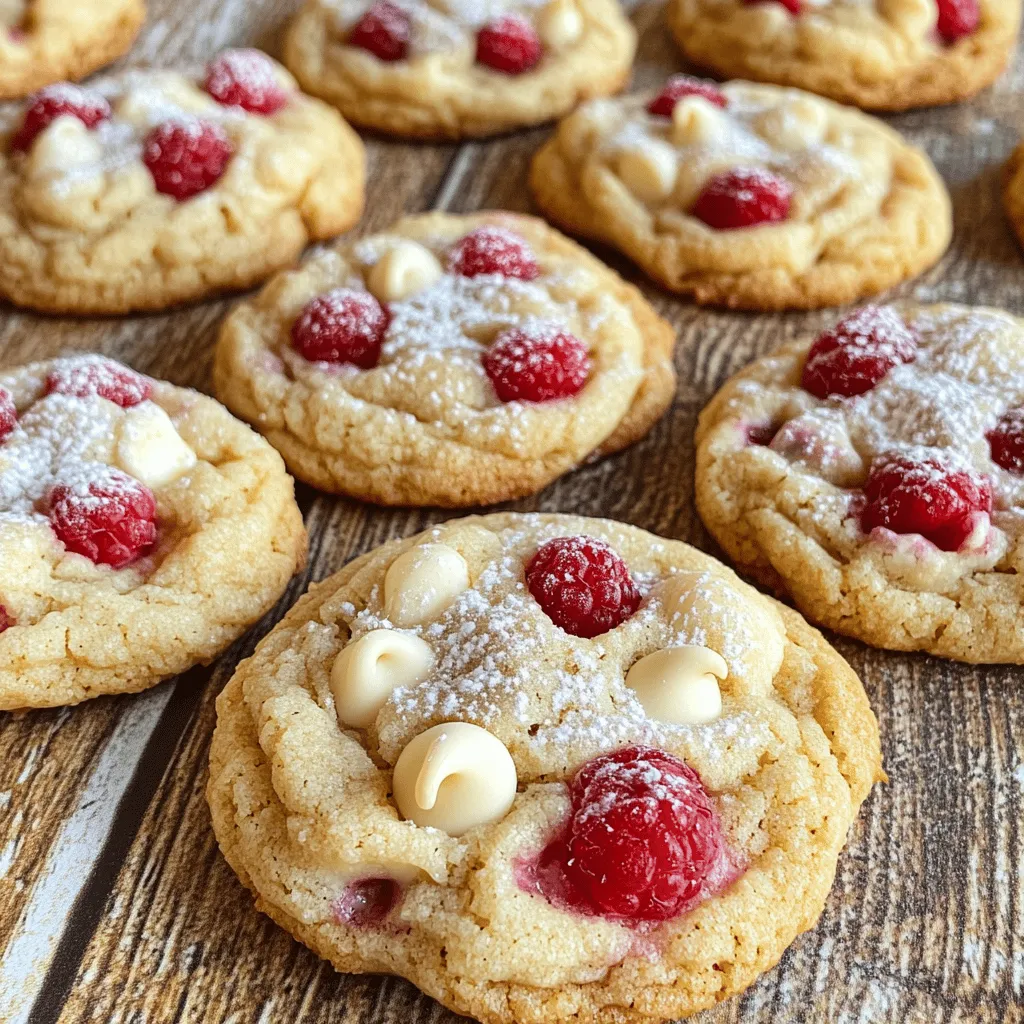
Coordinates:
(115, 905)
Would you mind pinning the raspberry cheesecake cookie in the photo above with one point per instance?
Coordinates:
(876, 474)
(452, 68)
(45, 41)
(453, 360)
(546, 768)
(878, 54)
(748, 196)
(152, 188)
(124, 504)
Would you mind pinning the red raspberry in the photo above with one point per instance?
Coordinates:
(8, 414)
(105, 378)
(678, 87)
(957, 18)
(643, 841)
(57, 101)
(5, 619)
(743, 199)
(1006, 440)
(493, 250)
(343, 326)
(509, 44)
(761, 433)
(246, 79)
(366, 903)
(111, 521)
(582, 585)
(929, 496)
(537, 367)
(858, 352)
(793, 6)
(383, 30)
(186, 157)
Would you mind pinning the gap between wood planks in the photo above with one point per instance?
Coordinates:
(41, 961)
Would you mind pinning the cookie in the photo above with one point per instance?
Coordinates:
(876, 475)
(455, 69)
(544, 767)
(452, 360)
(151, 188)
(747, 196)
(1013, 192)
(124, 504)
(46, 41)
(890, 55)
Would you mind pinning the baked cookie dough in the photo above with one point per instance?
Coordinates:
(747, 196)
(452, 69)
(1013, 192)
(45, 41)
(876, 474)
(151, 188)
(452, 360)
(124, 504)
(544, 767)
(878, 54)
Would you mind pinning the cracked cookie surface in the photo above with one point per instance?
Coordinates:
(876, 480)
(420, 414)
(45, 41)
(143, 191)
(123, 505)
(877, 54)
(664, 177)
(304, 806)
(433, 74)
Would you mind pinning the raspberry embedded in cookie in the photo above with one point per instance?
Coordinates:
(245, 78)
(930, 496)
(760, 434)
(493, 250)
(366, 903)
(793, 6)
(343, 326)
(61, 100)
(536, 366)
(852, 357)
(117, 384)
(1006, 441)
(5, 619)
(383, 31)
(8, 414)
(509, 44)
(678, 87)
(186, 157)
(743, 198)
(643, 842)
(111, 521)
(957, 18)
(582, 585)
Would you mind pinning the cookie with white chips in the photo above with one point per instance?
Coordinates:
(124, 504)
(747, 196)
(544, 767)
(881, 55)
(876, 474)
(151, 188)
(451, 360)
(46, 41)
(450, 69)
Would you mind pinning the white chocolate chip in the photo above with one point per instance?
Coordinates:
(649, 170)
(422, 583)
(560, 24)
(150, 449)
(680, 684)
(367, 672)
(405, 269)
(914, 17)
(65, 145)
(796, 124)
(696, 120)
(455, 777)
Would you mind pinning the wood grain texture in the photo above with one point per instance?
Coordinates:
(926, 921)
